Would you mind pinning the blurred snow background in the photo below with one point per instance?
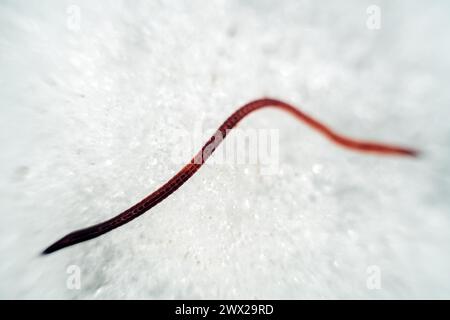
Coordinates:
(88, 108)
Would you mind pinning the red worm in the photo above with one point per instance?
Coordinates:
(191, 168)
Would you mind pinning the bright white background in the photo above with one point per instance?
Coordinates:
(87, 118)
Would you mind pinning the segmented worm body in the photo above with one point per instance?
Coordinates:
(199, 159)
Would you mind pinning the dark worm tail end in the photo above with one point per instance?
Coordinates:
(54, 247)
(72, 238)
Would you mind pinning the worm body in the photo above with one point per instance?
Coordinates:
(200, 158)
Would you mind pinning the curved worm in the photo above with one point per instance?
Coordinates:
(200, 158)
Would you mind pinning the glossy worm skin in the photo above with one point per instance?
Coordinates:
(191, 168)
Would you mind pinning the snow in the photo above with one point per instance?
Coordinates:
(90, 112)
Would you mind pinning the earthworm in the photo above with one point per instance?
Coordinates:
(199, 159)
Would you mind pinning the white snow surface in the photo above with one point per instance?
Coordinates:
(88, 119)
